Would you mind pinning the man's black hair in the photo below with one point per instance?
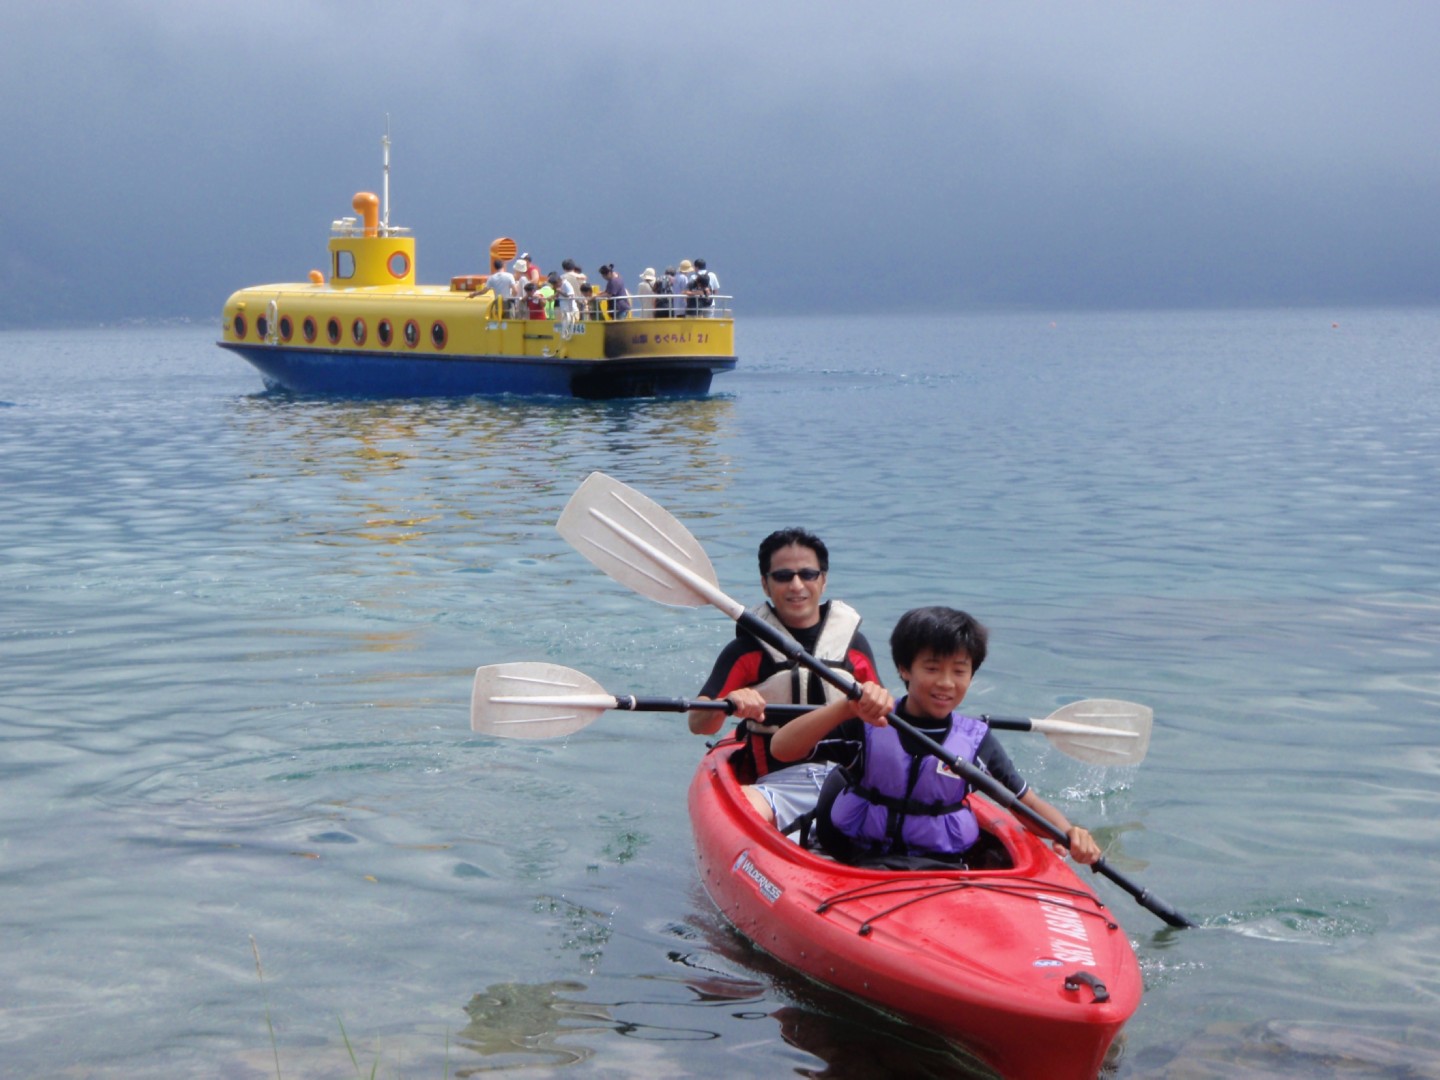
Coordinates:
(781, 538)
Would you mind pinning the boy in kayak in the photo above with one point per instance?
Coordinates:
(794, 565)
(895, 799)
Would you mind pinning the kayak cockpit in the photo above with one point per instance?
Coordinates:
(996, 850)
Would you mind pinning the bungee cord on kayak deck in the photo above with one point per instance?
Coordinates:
(1028, 887)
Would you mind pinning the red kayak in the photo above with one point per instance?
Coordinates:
(1023, 966)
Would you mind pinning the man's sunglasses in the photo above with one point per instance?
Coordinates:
(784, 576)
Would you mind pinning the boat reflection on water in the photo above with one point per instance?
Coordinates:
(406, 469)
(443, 510)
(370, 523)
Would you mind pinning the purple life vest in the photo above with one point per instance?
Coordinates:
(911, 805)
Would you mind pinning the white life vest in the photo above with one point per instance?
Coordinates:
(791, 684)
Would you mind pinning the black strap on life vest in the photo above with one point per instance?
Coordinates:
(897, 810)
(907, 806)
(855, 852)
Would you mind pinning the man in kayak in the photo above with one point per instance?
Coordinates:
(896, 800)
(794, 565)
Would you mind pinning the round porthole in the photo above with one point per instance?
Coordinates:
(262, 327)
(357, 331)
(332, 331)
(398, 264)
(438, 334)
(308, 329)
(385, 332)
(287, 328)
(240, 327)
(412, 333)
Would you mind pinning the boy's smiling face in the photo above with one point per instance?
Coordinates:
(936, 685)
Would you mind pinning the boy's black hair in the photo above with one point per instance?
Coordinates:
(784, 538)
(943, 630)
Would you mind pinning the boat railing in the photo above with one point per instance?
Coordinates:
(599, 308)
(349, 227)
(678, 307)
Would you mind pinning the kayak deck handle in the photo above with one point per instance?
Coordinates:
(1079, 978)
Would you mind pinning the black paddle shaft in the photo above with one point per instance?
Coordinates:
(845, 682)
(632, 703)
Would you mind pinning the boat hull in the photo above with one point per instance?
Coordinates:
(353, 374)
(1004, 962)
(428, 341)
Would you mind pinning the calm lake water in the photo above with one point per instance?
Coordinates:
(237, 633)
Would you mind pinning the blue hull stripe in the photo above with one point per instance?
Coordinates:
(325, 371)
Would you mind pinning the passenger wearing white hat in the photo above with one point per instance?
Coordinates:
(645, 294)
(678, 307)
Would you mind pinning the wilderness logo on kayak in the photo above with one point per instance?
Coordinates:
(768, 889)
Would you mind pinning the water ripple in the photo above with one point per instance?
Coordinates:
(238, 631)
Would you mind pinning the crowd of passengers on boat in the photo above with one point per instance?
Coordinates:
(525, 292)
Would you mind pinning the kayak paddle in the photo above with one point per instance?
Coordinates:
(637, 542)
(546, 701)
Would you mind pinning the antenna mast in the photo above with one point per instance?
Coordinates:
(385, 189)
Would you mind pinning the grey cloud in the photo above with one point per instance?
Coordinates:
(821, 155)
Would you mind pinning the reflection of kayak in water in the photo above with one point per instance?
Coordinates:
(844, 1035)
(368, 329)
(1021, 965)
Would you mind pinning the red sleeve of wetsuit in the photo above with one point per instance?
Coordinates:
(864, 669)
(746, 672)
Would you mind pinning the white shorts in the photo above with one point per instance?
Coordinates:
(794, 791)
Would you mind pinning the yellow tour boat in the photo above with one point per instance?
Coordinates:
(368, 329)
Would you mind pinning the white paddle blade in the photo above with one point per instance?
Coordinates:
(534, 701)
(637, 542)
(1117, 732)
